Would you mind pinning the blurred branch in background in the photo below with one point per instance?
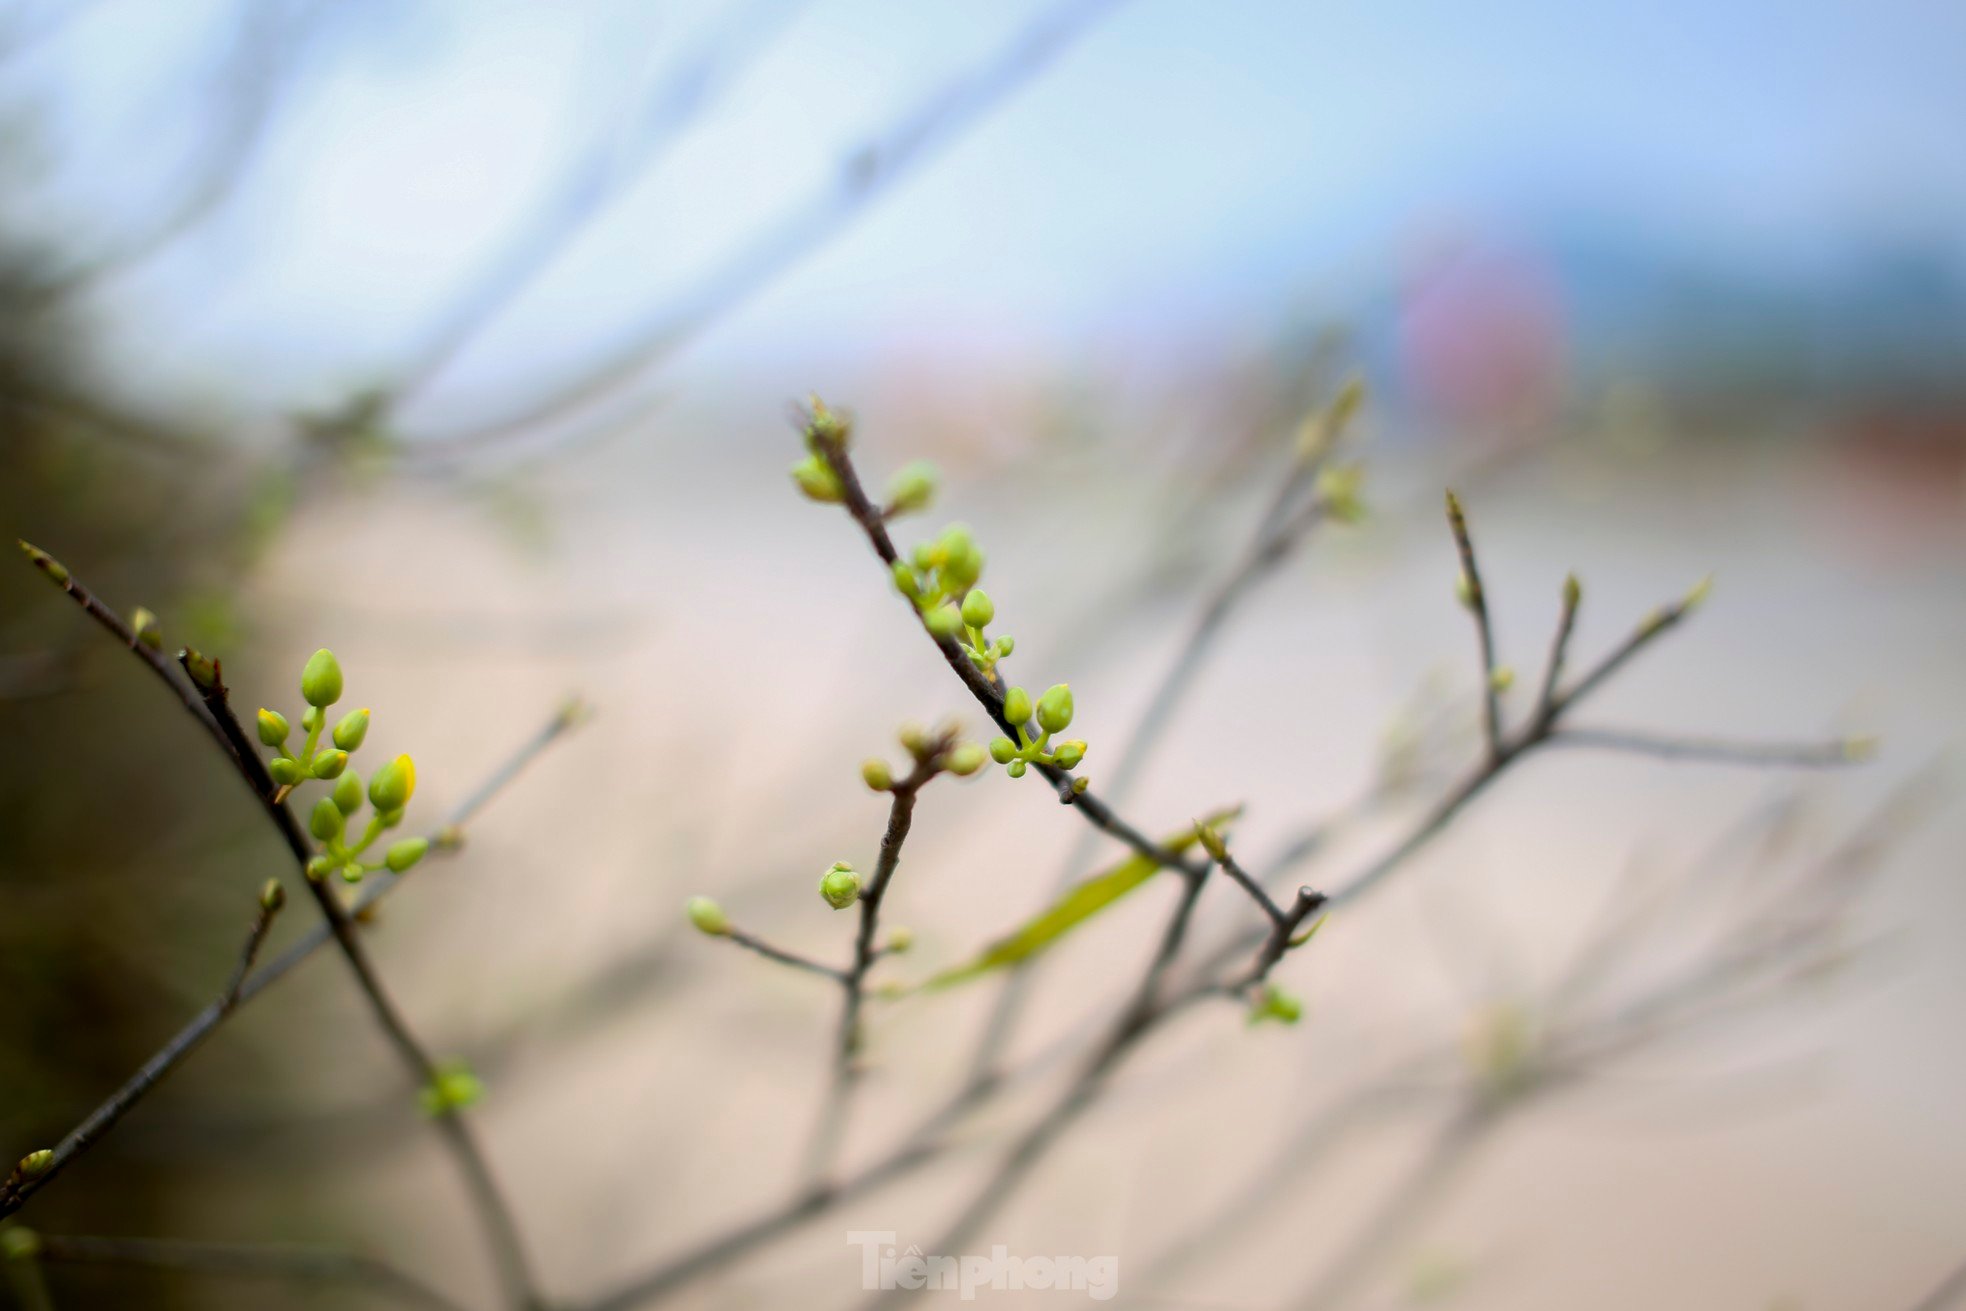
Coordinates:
(864, 176)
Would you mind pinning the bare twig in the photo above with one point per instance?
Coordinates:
(752, 942)
(271, 899)
(243, 1260)
(1718, 751)
(1476, 599)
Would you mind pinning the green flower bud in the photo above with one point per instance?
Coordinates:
(876, 775)
(905, 581)
(326, 822)
(1573, 591)
(962, 564)
(827, 427)
(1701, 591)
(978, 609)
(330, 763)
(707, 916)
(1502, 679)
(966, 759)
(352, 872)
(1274, 1003)
(454, 1088)
(1015, 769)
(944, 621)
(1079, 785)
(46, 563)
(1017, 705)
(839, 885)
(1069, 754)
(272, 896)
(311, 718)
(1055, 708)
(354, 726)
(201, 668)
(320, 681)
(1002, 750)
(817, 480)
(319, 867)
(391, 786)
(144, 624)
(900, 939)
(285, 772)
(389, 818)
(402, 855)
(273, 728)
(912, 489)
(1211, 842)
(348, 792)
(1464, 589)
(36, 1164)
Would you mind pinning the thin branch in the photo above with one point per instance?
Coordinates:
(866, 174)
(244, 1260)
(752, 942)
(1719, 751)
(271, 899)
(833, 1114)
(268, 41)
(1566, 624)
(594, 180)
(1476, 599)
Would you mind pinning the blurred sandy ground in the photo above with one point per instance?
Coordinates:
(744, 653)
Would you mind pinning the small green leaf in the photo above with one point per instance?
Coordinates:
(1080, 903)
(1309, 933)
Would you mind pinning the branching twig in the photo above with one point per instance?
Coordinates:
(206, 697)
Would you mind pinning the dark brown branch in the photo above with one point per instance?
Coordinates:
(243, 1260)
(1566, 624)
(271, 899)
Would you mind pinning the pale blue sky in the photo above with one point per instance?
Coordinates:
(1184, 166)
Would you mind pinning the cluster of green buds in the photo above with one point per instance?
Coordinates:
(388, 792)
(1054, 715)
(825, 430)
(934, 752)
(940, 578)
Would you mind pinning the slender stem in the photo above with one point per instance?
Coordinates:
(1791, 755)
(832, 1124)
(1477, 602)
(255, 938)
(1566, 624)
(243, 1260)
(752, 942)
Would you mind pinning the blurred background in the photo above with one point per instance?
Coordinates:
(461, 338)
